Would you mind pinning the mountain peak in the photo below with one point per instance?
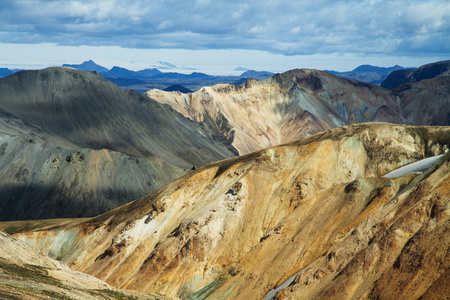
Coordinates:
(88, 65)
(257, 74)
(375, 69)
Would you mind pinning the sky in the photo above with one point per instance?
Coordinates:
(217, 36)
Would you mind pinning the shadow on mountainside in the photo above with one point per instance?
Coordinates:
(52, 201)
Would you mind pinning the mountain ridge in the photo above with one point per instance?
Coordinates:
(314, 208)
(302, 102)
(285, 106)
(428, 71)
(74, 140)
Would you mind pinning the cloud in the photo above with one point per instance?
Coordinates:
(405, 27)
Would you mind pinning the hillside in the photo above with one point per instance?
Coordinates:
(78, 144)
(425, 102)
(316, 210)
(284, 107)
(302, 102)
(26, 273)
(73, 144)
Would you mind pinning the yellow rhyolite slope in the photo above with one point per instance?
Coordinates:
(241, 227)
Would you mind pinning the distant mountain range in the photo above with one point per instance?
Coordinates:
(88, 66)
(367, 73)
(151, 78)
(144, 80)
(5, 72)
(177, 87)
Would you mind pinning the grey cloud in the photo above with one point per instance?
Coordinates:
(406, 27)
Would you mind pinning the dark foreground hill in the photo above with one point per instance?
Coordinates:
(74, 144)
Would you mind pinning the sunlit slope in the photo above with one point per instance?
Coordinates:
(26, 273)
(284, 107)
(318, 207)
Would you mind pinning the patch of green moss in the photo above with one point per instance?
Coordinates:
(23, 289)
(116, 295)
(440, 136)
(29, 272)
(205, 292)
(54, 295)
(18, 227)
(10, 229)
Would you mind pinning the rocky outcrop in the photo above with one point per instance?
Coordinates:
(74, 144)
(316, 210)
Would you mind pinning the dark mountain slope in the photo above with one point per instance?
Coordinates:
(91, 112)
(441, 68)
(75, 137)
(426, 102)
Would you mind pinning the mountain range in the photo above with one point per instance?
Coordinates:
(367, 73)
(280, 188)
(143, 80)
(150, 78)
(75, 142)
(302, 102)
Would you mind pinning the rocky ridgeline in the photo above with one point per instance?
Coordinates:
(299, 103)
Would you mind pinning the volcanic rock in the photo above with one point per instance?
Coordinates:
(74, 144)
(316, 211)
(284, 107)
(26, 273)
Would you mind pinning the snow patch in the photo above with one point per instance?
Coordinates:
(285, 284)
(419, 166)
